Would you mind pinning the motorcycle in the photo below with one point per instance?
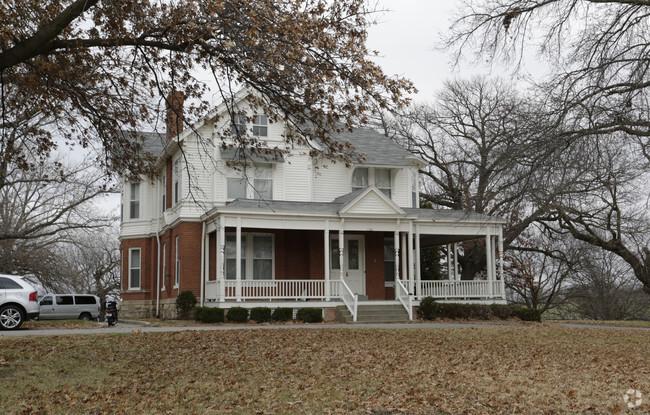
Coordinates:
(111, 313)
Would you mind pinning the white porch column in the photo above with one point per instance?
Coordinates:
(341, 241)
(418, 276)
(411, 274)
(326, 255)
(405, 258)
(501, 276)
(238, 260)
(456, 277)
(396, 247)
(449, 275)
(205, 257)
(489, 259)
(221, 258)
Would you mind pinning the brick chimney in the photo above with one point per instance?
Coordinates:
(174, 106)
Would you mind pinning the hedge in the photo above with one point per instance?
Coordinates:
(282, 314)
(209, 314)
(237, 314)
(261, 314)
(310, 315)
(430, 309)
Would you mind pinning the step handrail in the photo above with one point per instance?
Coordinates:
(350, 300)
(405, 298)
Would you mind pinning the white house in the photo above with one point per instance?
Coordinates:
(290, 231)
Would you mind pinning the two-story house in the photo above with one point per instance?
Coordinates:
(292, 231)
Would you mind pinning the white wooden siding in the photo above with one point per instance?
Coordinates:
(331, 181)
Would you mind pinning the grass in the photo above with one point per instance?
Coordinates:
(613, 323)
(526, 369)
(61, 324)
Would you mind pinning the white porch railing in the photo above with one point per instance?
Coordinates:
(280, 289)
(405, 298)
(460, 289)
(349, 298)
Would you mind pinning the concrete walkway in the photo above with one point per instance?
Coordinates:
(124, 327)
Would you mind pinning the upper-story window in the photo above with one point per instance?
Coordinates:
(263, 182)
(260, 126)
(177, 180)
(134, 205)
(163, 191)
(359, 178)
(382, 181)
(238, 124)
(251, 183)
(414, 189)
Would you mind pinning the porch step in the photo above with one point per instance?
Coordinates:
(369, 313)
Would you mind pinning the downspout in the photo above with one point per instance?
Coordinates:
(158, 271)
(202, 263)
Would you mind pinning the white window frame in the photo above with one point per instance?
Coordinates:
(134, 202)
(177, 267)
(248, 255)
(391, 261)
(352, 184)
(415, 199)
(256, 179)
(261, 126)
(163, 187)
(178, 183)
(390, 181)
(132, 268)
(238, 124)
(250, 178)
(238, 176)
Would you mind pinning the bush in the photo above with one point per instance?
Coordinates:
(527, 314)
(185, 303)
(237, 315)
(209, 314)
(282, 314)
(310, 315)
(261, 314)
(429, 309)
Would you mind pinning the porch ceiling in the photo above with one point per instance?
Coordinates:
(427, 241)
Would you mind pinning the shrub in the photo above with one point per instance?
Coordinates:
(429, 309)
(261, 314)
(282, 314)
(502, 312)
(310, 315)
(237, 314)
(185, 303)
(209, 314)
(526, 313)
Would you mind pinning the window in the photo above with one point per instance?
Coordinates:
(164, 266)
(9, 284)
(47, 300)
(134, 268)
(85, 299)
(177, 180)
(260, 126)
(334, 247)
(359, 178)
(163, 187)
(414, 190)
(389, 260)
(134, 211)
(231, 257)
(238, 124)
(382, 181)
(64, 300)
(236, 187)
(177, 273)
(256, 256)
(263, 182)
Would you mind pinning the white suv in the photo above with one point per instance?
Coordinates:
(18, 302)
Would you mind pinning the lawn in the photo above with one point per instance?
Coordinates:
(529, 369)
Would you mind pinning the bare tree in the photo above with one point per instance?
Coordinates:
(481, 140)
(603, 288)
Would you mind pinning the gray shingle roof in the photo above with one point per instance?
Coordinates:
(378, 149)
(153, 142)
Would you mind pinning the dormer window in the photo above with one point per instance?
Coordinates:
(260, 126)
(359, 178)
(382, 181)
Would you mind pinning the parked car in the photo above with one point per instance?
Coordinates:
(70, 306)
(17, 302)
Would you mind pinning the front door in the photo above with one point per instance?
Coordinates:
(353, 262)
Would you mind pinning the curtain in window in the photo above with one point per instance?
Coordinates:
(359, 178)
(262, 257)
(231, 257)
